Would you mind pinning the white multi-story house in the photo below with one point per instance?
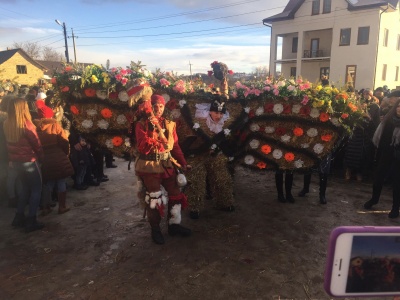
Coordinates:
(353, 42)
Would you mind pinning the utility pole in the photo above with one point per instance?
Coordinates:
(65, 38)
(190, 68)
(73, 41)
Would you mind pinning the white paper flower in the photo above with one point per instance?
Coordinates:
(277, 154)
(101, 94)
(259, 111)
(227, 132)
(318, 148)
(305, 145)
(87, 124)
(109, 143)
(121, 119)
(91, 112)
(248, 159)
(196, 126)
(285, 138)
(335, 121)
(231, 158)
(278, 108)
(296, 108)
(281, 83)
(254, 127)
(102, 124)
(127, 142)
(254, 144)
(314, 113)
(247, 109)
(312, 132)
(299, 163)
(182, 102)
(123, 96)
(176, 113)
(213, 146)
(269, 129)
(166, 97)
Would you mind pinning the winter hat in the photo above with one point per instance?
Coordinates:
(41, 96)
(218, 106)
(157, 99)
(44, 111)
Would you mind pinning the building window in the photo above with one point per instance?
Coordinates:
(363, 36)
(351, 72)
(345, 35)
(21, 69)
(293, 72)
(295, 41)
(396, 78)
(385, 37)
(384, 70)
(315, 7)
(326, 7)
(324, 71)
(398, 42)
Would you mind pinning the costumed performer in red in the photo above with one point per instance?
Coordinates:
(158, 155)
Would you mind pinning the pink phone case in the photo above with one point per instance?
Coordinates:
(332, 244)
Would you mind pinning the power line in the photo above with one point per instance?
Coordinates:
(169, 16)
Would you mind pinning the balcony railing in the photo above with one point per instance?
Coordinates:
(312, 53)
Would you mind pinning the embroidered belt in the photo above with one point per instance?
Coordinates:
(155, 156)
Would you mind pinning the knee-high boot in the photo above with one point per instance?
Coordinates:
(376, 193)
(174, 220)
(323, 180)
(62, 207)
(279, 187)
(288, 187)
(154, 218)
(306, 186)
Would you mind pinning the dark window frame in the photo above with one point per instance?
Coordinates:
(326, 6)
(315, 7)
(385, 37)
(342, 31)
(22, 69)
(293, 70)
(355, 74)
(316, 50)
(398, 43)
(384, 72)
(295, 44)
(396, 78)
(359, 42)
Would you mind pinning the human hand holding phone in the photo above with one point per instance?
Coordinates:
(363, 261)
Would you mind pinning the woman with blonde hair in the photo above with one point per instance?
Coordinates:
(24, 154)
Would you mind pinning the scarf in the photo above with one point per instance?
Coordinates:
(395, 136)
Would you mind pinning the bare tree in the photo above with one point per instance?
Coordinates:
(261, 71)
(50, 54)
(108, 64)
(32, 49)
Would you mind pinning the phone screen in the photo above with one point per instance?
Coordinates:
(366, 264)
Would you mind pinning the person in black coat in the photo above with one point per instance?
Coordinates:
(387, 140)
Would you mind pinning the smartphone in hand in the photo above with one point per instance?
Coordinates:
(363, 261)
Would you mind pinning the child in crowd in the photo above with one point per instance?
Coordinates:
(83, 163)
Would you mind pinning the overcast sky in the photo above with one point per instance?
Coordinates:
(167, 34)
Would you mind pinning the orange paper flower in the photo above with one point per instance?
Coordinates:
(117, 141)
(261, 165)
(352, 107)
(343, 96)
(53, 80)
(68, 68)
(326, 137)
(89, 92)
(298, 131)
(106, 113)
(65, 89)
(266, 149)
(323, 117)
(344, 116)
(289, 156)
(74, 110)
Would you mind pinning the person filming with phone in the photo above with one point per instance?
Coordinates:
(387, 140)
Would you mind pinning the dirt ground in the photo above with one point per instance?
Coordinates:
(102, 248)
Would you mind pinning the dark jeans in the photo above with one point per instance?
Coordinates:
(31, 186)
